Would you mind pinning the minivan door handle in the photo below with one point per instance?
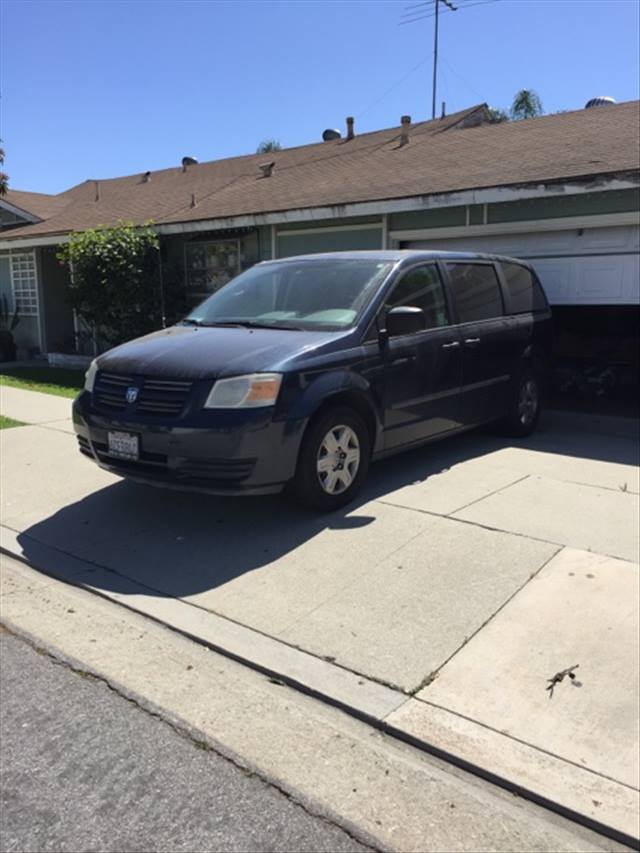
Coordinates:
(451, 345)
(471, 342)
(403, 359)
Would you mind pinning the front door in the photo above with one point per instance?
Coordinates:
(423, 371)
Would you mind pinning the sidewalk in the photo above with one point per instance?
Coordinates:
(32, 407)
(438, 607)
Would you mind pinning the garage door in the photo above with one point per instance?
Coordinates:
(591, 266)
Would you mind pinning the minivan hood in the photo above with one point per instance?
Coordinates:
(200, 352)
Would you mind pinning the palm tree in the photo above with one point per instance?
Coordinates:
(268, 145)
(4, 178)
(526, 104)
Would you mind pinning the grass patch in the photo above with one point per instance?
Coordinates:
(61, 381)
(7, 423)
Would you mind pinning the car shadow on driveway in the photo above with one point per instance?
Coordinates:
(179, 544)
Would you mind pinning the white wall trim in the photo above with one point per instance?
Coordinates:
(40, 294)
(330, 228)
(562, 223)
(30, 242)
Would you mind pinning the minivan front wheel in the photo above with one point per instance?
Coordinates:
(524, 408)
(334, 460)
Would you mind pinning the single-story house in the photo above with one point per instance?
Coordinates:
(562, 191)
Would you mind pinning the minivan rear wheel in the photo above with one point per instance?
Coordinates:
(524, 407)
(333, 461)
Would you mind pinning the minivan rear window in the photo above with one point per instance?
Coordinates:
(476, 291)
(525, 294)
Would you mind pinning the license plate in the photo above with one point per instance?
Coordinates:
(123, 445)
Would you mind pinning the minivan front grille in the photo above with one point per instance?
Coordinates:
(155, 396)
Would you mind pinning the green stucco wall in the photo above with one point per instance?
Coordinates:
(587, 204)
(443, 217)
(328, 241)
(54, 306)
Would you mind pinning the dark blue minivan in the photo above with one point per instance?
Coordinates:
(300, 372)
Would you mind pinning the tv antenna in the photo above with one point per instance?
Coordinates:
(431, 9)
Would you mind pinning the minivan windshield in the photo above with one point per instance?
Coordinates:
(323, 294)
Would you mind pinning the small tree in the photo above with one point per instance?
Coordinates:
(497, 116)
(4, 178)
(526, 104)
(117, 287)
(268, 145)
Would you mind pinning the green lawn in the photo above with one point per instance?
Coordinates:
(51, 380)
(5, 423)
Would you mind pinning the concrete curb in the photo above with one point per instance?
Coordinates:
(484, 753)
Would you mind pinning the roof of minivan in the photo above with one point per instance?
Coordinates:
(395, 255)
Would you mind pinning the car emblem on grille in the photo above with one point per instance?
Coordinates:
(132, 395)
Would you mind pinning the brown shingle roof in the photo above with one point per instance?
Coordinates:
(39, 204)
(372, 166)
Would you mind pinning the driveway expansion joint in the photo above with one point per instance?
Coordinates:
(526, 743)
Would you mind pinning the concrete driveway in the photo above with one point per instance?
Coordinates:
(469, 573)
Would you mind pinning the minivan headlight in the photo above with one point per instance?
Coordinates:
(90, 376)
(245, 392)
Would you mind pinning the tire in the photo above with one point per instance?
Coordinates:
(334, 460)
(525, 405)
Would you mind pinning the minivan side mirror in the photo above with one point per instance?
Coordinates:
(405, 320)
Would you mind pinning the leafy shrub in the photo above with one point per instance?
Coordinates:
(118, 286)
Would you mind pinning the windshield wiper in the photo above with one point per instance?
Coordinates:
(253, 324)
(191, 321)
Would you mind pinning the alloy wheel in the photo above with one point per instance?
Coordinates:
(338, 459)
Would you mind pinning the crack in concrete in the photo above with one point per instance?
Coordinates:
(432, 675)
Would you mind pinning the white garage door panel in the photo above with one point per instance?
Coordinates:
(558, 281)
(594, 266)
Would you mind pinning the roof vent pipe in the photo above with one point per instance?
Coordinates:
(405, 124)
(97, 186)
(267, 168)
(193, 199)
(350, 131)
(444, 110)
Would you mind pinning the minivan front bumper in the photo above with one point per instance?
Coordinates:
(228, 452)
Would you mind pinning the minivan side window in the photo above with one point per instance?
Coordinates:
(525, 294)
(476, 291)
(421, 288)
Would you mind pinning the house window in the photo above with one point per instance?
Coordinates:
(24, 283)
(209, 266)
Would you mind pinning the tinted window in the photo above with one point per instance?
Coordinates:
(476, 291)
(422, 288)
(524, 291)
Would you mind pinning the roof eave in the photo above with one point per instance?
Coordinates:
(616, 180)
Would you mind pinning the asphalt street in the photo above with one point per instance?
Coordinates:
(82, 768)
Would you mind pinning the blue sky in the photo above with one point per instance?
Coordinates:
(94, 89)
